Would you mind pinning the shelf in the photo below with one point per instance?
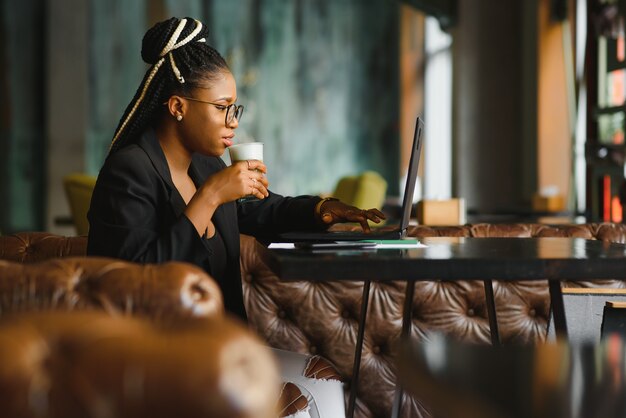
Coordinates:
(612, 63)
(608, 110)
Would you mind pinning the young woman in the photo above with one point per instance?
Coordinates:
(164, 193)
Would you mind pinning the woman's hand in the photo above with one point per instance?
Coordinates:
(334, 211)
(243, 178)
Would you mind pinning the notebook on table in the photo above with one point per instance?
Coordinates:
(385, 233)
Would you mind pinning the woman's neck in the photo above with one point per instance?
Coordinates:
(177, 156)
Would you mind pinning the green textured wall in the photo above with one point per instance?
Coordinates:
(22, 145)
(115, 70)
(320, 82)
(319, 79)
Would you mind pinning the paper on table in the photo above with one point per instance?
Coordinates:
(390, 244)
(380, 244)
(281, 246)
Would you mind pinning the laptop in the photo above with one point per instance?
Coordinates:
(376, 233)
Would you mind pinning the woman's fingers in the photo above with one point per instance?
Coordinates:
(257, 172)
(261, 179)
(378, 213)
(352, 214)
(252, 177)
(363, 221)
(257, 165)
(374, 215)
(259, 187)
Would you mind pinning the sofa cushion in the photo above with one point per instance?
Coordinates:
(160, 292)
(92, 364)
(29, 247)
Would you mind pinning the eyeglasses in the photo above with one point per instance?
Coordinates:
(233, 111)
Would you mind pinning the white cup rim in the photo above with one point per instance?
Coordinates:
(245, 143)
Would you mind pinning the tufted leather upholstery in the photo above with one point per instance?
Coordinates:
(167, 291)
(92, 364)
(29, 247)
(163, 293)
(321, 318)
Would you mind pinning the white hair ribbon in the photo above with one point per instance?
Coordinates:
(170, 46)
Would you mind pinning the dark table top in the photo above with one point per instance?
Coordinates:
(558, 380)
(461, 259)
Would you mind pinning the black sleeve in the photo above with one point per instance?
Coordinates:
(130, 216)
(275, 214)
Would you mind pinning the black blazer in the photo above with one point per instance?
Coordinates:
(136, 214)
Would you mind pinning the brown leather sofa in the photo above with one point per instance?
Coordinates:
(321, 318)
(41, 272)
(83, 336)
(159, 292)
(30, 247)
(91, 364)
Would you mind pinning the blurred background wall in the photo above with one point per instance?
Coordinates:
(318, 80)
(22, 118)
(332, 87)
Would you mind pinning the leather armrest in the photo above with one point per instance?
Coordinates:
(29, 247)
(72, 364)
(158, 291)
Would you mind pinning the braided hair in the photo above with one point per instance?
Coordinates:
(181, 45)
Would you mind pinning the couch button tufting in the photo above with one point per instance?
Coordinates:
(345, 314)
(470, 312)
(376, 349)
(313, 349)
(282, 314)
(532, 312)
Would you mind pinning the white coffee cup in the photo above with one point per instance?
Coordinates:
(243, 152)
(247, 151)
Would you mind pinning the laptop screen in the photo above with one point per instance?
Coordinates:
(411, 178)
(380, 233)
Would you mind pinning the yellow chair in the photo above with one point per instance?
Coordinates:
(366, 190)
(78, 189)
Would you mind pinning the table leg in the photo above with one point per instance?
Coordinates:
(405, 335)
(558, 308)
(491, 313)
(358, 349)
